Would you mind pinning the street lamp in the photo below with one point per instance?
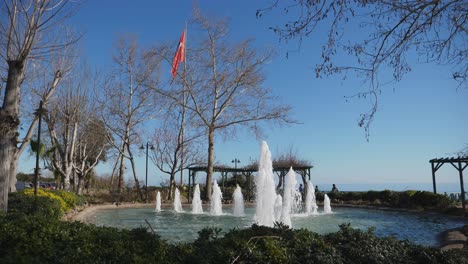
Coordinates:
(146, 181)
(235, 161)
(37, 173)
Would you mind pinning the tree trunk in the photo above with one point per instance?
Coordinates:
(120, 183)
(209, 173)
(111, 187)
(13, 168)
(9, 122)
(7, 150)
(172, 184)
(79, 186)
(66, 177)
(137, 182)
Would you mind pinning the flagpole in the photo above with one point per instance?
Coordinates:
(183, 111)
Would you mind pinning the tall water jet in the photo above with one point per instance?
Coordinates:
(216, 207)
(289, 196)
(196, 202)
(311, 202)
(158, 202)
(278, 207)
(326, 205)
(265, 195)
(296, 204)
(177, 202)
(238, 202)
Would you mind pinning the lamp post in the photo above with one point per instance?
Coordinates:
(37, 172)
(146, 179)
(235, 161)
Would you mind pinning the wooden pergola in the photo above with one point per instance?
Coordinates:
(459, 164)
(248, 171)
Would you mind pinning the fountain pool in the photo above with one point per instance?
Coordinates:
(183, 227)
(179, 225)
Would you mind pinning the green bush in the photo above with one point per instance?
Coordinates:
(47, 193)
(260, 244)
(407, 199)
(371, 196)
(36, 240)
(71, 199)
(357, 246)
(430, 200)
(21, 204)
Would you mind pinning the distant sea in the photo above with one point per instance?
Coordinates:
(364, 187)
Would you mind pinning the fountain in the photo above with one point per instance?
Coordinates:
(311, 203)
(296, 204)
(265, 189)
(158, 202)
(196, 202)
(177, 202)
(238, 202)
(278, 207)
(326, 205)
(216, 206)
(179, 227)
(289, 197)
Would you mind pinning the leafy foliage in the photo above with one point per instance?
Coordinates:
(24, 205)
(71, 199)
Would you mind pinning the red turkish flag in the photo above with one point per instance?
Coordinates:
(179, 55)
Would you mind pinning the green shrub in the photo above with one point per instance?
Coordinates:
(27, 205)
(372, 196)
(71, 199)
(408, 199)
(46, 193)
(357, 246)
(37, 240)
(430, 200)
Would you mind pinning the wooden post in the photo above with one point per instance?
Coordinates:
(460, 172)
(433, 177)
(189, 185)
(248, 175)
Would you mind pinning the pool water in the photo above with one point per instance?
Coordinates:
(183, 227)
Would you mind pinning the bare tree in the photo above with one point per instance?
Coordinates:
(463, 152)
(92, 147)
(435, 29)
(126, 101)
(176, 144)
(289, 158)
(63, 120)
(224, 86)
(29, 31)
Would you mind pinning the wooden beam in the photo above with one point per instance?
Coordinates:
(460, 172)
(439, 164)
(433, 178)
(466, 164)
(189, 185)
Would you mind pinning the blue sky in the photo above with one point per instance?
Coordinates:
(420, 118)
